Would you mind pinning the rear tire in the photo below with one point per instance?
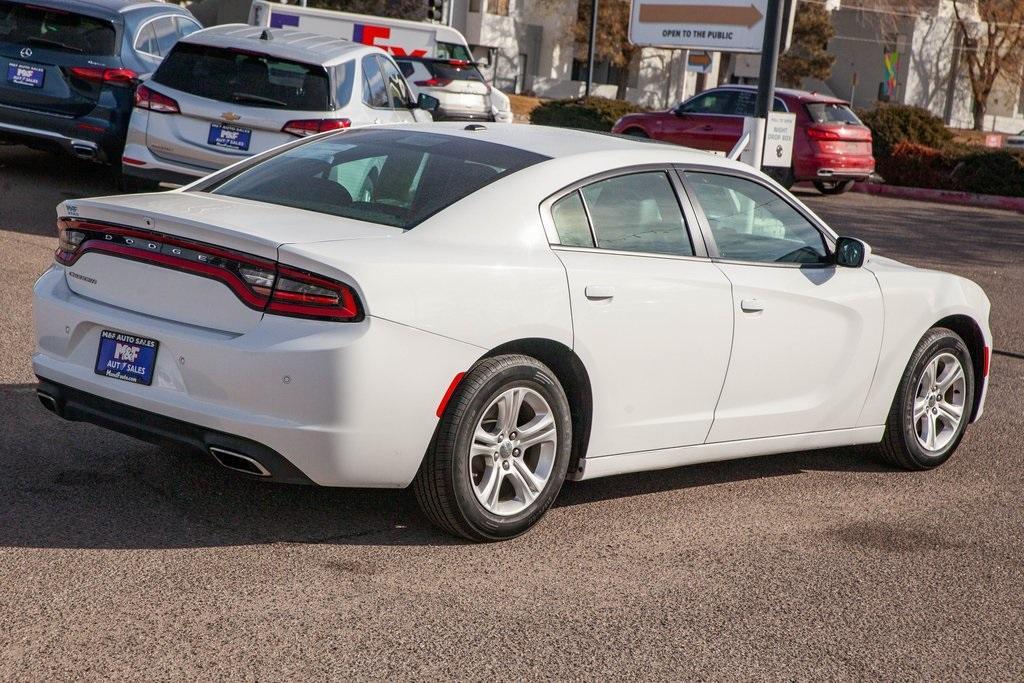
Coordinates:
(485, 488)
(933, 403)
(833, 187)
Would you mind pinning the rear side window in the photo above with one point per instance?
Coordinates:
(158, 36)
(637, 212)
(823, 112)
(375, 93)
(245, 78)
(571, 221)
(56, 30)
(391, 177)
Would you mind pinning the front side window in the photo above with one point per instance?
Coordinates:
(637, 212)
(717, 102)
(398, 92)
(245, 77)
(749, 222)
(391, 177)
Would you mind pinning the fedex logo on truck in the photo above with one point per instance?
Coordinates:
(367, 34)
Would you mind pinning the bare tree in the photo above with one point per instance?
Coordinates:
(993, 43)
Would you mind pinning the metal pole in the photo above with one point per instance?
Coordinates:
(590, 47)
(769, 65)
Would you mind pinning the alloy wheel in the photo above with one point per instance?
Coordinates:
(939, 402)
(513, 451)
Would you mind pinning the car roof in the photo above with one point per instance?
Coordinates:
(802, 95)
(299, 46)
(107, 9)
(561, 143)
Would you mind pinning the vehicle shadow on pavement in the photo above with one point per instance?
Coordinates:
(33, 179)
(73, 485)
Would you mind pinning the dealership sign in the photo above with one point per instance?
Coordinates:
(726, 25)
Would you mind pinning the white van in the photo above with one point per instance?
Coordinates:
(400, 37)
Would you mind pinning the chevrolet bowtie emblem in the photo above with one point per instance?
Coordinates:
(230, 116)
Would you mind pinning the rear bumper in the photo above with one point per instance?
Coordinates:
(833, 167)
(148, 166)
(347, 404)
(78, 146)
(79, 406)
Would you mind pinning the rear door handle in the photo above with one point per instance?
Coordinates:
(751, 306)
(599, 292)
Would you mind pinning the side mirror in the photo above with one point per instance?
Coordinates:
(427, 102)
(851, 252)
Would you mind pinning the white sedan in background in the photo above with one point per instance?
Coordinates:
(485, 311)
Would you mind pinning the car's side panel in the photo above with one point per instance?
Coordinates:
(728, 450)
(915, 300)
(656, 349)
(804, 362)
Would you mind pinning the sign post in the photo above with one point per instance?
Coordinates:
(766, 79)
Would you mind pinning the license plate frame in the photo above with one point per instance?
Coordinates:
(238, 137)
(126, 357)
(26, 75)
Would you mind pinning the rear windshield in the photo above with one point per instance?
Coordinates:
(822, 112)
(56, 29)
(454, 71)
(391, 177)
(245, 78)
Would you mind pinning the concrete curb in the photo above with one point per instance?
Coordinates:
(985, 201)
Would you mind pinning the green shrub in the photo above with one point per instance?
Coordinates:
(954, 167)
(991, 171)
(891, 125)
(591, 113)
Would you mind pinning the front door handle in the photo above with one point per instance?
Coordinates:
(595, 292)
(751, 306)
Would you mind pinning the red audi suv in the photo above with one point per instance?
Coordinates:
(831, 148)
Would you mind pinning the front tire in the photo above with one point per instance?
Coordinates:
(833, 187)
(933, 403)
(637, 133)
(501, 452)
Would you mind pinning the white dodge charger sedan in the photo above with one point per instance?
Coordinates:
(485, 311)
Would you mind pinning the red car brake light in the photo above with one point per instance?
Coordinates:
(259, 283)
(96, 74)
(304, 127)
(145, 98)
(434, 82)
(822, 133)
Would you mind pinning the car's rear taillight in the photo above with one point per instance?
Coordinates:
(304, 127)
(97, 74)
(822, 133)
(302, 294)
(260, 283)
(146, 98)
(434, 82)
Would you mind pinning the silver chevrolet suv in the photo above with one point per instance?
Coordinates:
(232, 91)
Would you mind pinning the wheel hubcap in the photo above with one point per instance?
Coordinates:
(513, 451)
(939, 402)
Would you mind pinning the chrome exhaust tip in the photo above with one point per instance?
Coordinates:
(49, 402)
(238, 462)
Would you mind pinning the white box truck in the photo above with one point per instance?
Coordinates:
(400, 37)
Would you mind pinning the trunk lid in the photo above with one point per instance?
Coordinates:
(254, 230)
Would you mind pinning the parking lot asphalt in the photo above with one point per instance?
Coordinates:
(120, 559)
